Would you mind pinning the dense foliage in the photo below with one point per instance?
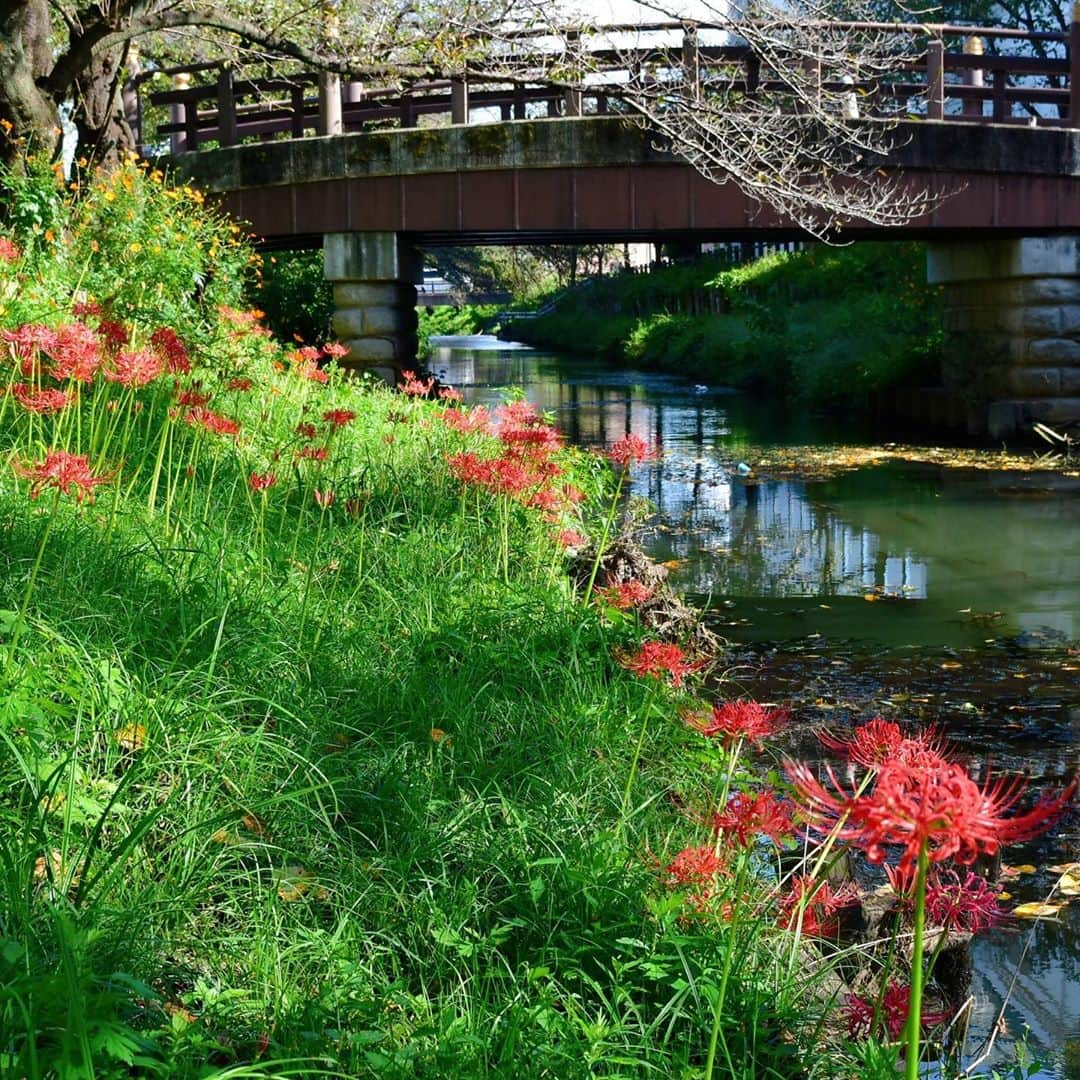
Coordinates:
(825, 326)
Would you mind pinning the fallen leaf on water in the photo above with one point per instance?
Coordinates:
(950, 665)
(674, 564)
(1010, 872)
(1064, 868)
(1004, 895)
(1069, 882)
(1037, 910)
(131, 737)
(871, 597)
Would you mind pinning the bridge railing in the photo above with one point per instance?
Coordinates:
(972, 74)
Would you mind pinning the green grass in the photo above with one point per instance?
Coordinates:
(827, 326)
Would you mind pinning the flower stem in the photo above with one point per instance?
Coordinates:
(601, 544)
(914, 1021)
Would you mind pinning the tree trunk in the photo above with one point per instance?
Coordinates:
(26, 112)
(104, 133)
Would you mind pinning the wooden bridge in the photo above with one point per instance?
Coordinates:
(991, 131)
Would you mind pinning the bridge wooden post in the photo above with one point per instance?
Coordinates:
(330, 117)
(572, 104)
(374, 278)
(935, 80)
(226, 107)
(1074, 67)
(459, 99)
(178, 140)
(691, 61)
(973, 46)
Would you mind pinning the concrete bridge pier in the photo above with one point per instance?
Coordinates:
(374, 276)
(1012, 323)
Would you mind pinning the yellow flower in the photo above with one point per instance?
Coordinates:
(136, 247)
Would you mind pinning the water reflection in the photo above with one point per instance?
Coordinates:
(947, 548)
(948, 558)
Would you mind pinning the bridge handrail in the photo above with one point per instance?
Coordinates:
(231, 109)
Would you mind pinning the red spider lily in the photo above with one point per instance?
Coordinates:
(536, 442)
(547, 500)
(517, 414)
(240, 385)
(134, 369)
(325, 499)
(415, 386)
(334, 350)
(448, 393)
(41, 401)
(307, 431)
(211, 421)
(572, 494)
(967, 903)
(312, 453)
(502, 476)
(930, 804)
(166, 343)
(68, 473)
(740, 720)
(696, 869)
(339, 417)
(259, 482)
(75, 353)
(570, 538)
(193, 398)
(114, 335)
(468, 421)
(694, 866)
(747, 816)
(814, 906)
(9, 250)
(26, 342)
(631, 450)
(895, 1005)
(83, 308)
(877, 741)
(658, 658)
(305, 363)
(625, 594)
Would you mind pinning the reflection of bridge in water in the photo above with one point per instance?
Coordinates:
(956, 539)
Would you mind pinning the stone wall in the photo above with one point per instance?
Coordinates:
(1012, 322)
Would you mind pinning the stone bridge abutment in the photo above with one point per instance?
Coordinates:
(1012, 329)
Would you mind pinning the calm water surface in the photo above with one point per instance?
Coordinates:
(946, 595)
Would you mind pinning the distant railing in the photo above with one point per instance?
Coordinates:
(952, 78)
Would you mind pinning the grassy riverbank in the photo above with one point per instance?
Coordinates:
(314, 762)
(825, 326)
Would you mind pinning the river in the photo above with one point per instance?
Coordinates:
(852, 584)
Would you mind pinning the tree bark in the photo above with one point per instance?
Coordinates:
(26, 111)
(104, 133)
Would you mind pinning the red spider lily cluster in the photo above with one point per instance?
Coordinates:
(633, 450)
(624, 595)
(525, 470)
(747, 817)
(910, 804)
(260, 482)
(414, 386)
(923, 803)
(9, 250)
(69, 474)
(813, 907)
(734, 720)
(656, 659)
